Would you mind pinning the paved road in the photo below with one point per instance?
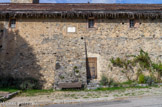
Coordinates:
(154, 101)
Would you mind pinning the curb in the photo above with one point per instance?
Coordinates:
(29, 104)
(9, 96)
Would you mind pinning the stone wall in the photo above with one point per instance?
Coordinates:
(21, 1)
(44, 49)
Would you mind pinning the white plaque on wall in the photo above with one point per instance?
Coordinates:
(71, 29)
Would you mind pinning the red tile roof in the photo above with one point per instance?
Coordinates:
(80, 7)
(81, 10)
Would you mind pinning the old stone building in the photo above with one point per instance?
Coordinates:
(70, 43)
(24, 1)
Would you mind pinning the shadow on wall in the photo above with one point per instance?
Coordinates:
(87, 63)
(18, 64)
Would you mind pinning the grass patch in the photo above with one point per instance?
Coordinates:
(76, 97)
(73, 90)
(86, 97)
(127, 94)
(72, 95)
(106, 96)
(36, 92)
(89, 94)
(10, 90)
(110, 89)
(116, 95)
(47, 92)
(127, 83)
(123, 88)
(138, 87)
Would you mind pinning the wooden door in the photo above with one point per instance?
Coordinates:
(92, 68)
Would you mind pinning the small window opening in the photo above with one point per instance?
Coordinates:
(132, 23)
(35, 1)
(91, 23)
(12, 23)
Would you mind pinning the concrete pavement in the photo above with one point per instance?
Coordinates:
(149, 101)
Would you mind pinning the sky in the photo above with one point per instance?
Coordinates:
(97, 1)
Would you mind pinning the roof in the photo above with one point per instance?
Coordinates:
(80, 8)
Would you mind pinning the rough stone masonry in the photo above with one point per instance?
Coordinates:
(21, 1)
(50, 48)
